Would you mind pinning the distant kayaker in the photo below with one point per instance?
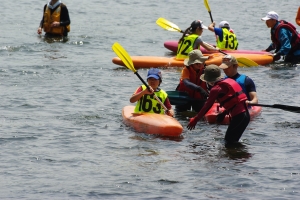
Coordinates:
(56, 20)
(298, 17)
(231, 96)
(225, 36)
(191, 39)
(145, 98)
(285, 38)
(190, 81)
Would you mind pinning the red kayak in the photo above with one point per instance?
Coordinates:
(211, 115)
(172, 46)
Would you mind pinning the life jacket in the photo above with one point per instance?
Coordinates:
(186, 46)
(149, 104)
(229, 42)
(50, 18)
(234, 96)
(241, 81)
(196, 80)
(295, 41)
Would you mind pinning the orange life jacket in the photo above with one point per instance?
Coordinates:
(196, 80)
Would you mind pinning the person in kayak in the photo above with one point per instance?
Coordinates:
(191, 39)
(226, 38)
(190, 81)
(56, 20)
(285, 38)
(145, 98)
(230, 95)
(298, 17)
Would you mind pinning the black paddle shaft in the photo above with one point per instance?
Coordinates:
(294, 109)
(142, 80)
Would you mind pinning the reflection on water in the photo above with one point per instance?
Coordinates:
(53, 39)
(236, 151)
(287, 125)
(217, 151)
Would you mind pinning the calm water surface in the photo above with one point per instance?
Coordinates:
(62, 135)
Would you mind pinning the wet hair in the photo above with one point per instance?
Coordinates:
(191, 29)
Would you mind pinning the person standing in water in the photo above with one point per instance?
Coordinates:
(56, 20)
(190, 81)
(285, 39)
(230, 95)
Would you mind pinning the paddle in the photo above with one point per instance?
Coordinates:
(294, 109)
(167, 25)
(241, 61)
(125, 57)
(208, 9)
(181, 98)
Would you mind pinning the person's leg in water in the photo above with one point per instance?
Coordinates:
(237, 126)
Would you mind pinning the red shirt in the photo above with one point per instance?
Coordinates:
(215, 91)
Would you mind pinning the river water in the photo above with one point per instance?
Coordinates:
(62, 135)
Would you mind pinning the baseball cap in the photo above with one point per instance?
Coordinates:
(224, 24)
(270, 15)
(195, 56)
(154, 73)
(212, 73)
(198, 23)
(228, 61)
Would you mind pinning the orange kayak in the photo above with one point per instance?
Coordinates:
(216, 58)
(151, 123)
(298, 17)
(211, 115)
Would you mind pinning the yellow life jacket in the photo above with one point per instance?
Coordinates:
(229, 42)
(149, 104)
(186, 46)
(49, 19)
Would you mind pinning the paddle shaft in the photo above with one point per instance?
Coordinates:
(279, 106)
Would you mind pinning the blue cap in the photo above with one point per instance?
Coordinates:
(154, 73)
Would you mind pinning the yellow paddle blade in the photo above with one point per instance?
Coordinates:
(207, 5)
(123, 55)
(165, 24)
(245, 62)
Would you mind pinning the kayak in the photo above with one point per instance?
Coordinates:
(211, 115)
(298, 17)
(216, 58)
(172, 46)
(182, 98)
(151, 123)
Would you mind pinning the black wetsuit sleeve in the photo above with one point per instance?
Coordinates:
(64, 16)
(190, 85)
(42, 21)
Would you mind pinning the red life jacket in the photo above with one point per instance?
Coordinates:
(196, 80)
(234, 96)
(295, 42)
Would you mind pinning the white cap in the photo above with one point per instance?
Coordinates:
(224, 24)
(270, 15)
